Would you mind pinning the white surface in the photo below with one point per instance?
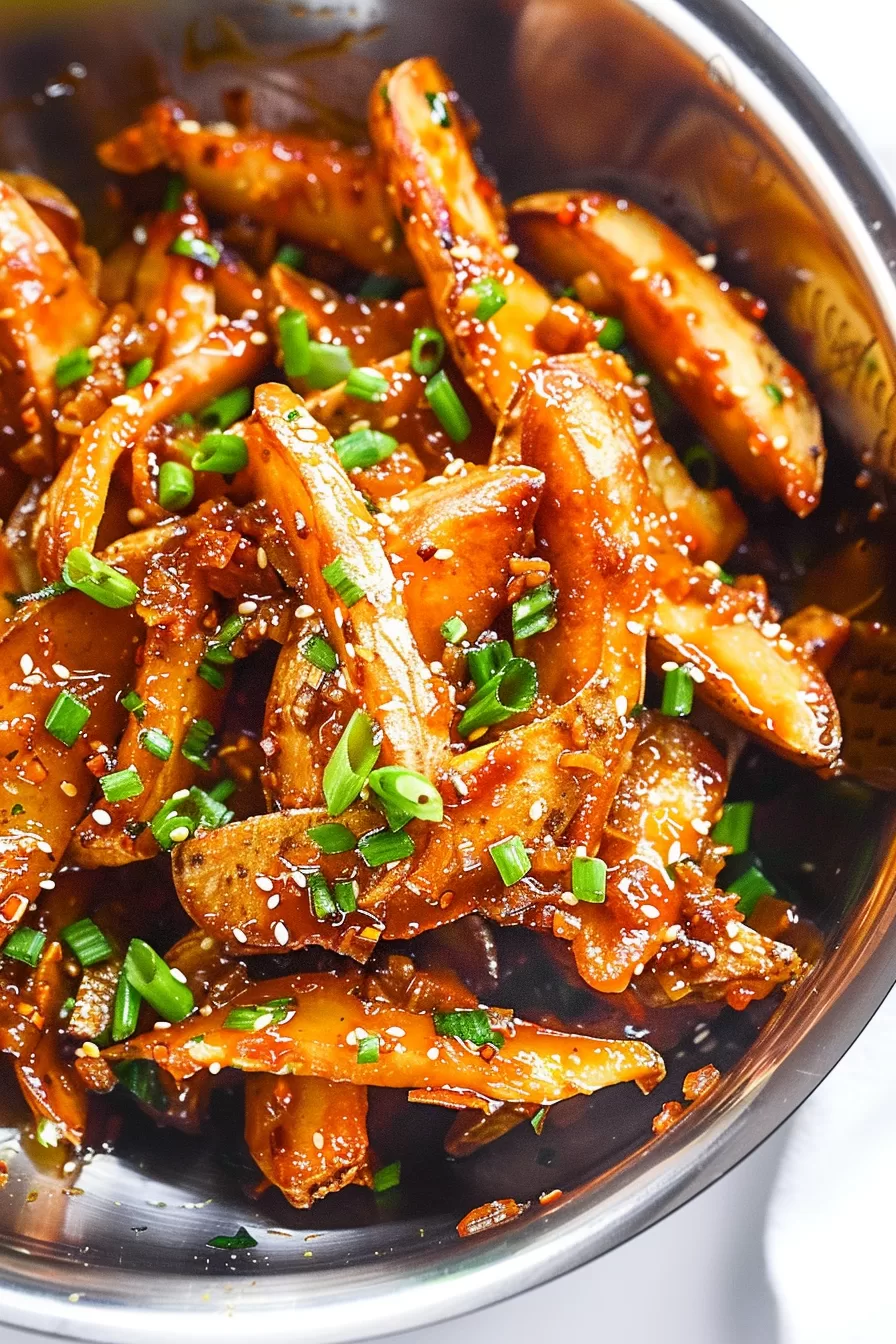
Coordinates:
(699, 1277)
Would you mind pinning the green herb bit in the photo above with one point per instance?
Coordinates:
(139, 372)
(241, 1241)
(733, 829)
(196, 249)
(750, 887)
(224, 453)
(290, 255)
(367, 385)
(510, 859)
(88, 942)
(322, 902)
(67, 716)
(152, 979)
(341, 579)
(353, 758)
(97, 580)
(197, 743)
(447, 407)
(467, 1024)
(454, 630)
(510, 691)
(407, 792)
(535, 612)
(25, 944)
(589, 879)
(142, 1078)
(438, 108)
(121, 785)
(295, 342)
(368, 1049)
(379, 847)
(612, 333)
(320, 654)
(156, 742)
(329, 364)
(427, 351)
(387, 1177)
(492, 297)
(225, 410)
(774, 393)
(73, 367)
(678, 692)
(331, 837)
(364, 448)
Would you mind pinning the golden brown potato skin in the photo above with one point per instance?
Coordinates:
(755, 407)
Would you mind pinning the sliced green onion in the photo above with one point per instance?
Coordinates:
(453, 631)
(427, 351)
(733, 829)
(369, 1049)
(341, 580)
(142, 1078)
(125, 1009)
(387, 1177)
(320, 654)
(345, 894)
(678, 692)
(538, 1119)
(242, 1241)
(702, 465)
(438, 108)
(367, 385)
(197, 743)
(447, 407)
(510, 691)
(174, 192)
(331, 837)
(750, 887)
(467, 1024)
(46, 1132)
(510, 859)
(211, 674)
(774, 393)
(322, 902)
(534, 612)
(379, 847)
(120, 785)
(380, 287)
(220, 647)
(26, 945)
(66, 718)
(364, 448)
(225, 410)
(139, 372)
(68, 1005)
(291, 256)
(97, 580)
(226, 453)
(152, 979)
(295, 342)
(173, 823)
(209, 807)
(222, 790)
(724, 575)
(409, 793)
(176, 486)
(329, 364)
(197, 249)
(483, 662)
(589, 879)
(353, 758)
(156, 742)
(255, 1017)
(87, 941)
(73, 367)
(612, 334)
(492, 297)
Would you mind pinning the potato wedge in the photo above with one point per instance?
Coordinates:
(173, 294)
(532, 1065)
(318, 191)
(754, 406)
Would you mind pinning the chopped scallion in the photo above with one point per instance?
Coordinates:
(291, 256)
(534, 612)
(467, 1024)
(225, 410)
(447, 407)
(257, 1016)
(369, 1049)
(73, 367)
(152, 979)
(345, 894)
(427, 351)
(364, 448)
(173, 823)
(453, 631)
(589, 879)
(341, 580)
(331, 837)
(120, 785)
(66, 718)
(409, 793)
(176, 486)
(678, 692)
(379, 847)
(379, 287)
(438, 108)
(328, 365)
(483, 662)
(702, 465)
(510, 859)
(612, 334)
(25, 944)
(87, 941)
(142, 1078)
(367, 385)
(774, 393)
(353, 758)
(387, 1177)
(211, 674)
(174, 192)
(139, 372)
(97, 580)
(320, 654)
(492, 297)
(196, 249)
(125, 1009)
(295, 342)
(733, 829)
(197, 743)
(225, 453)
(750, 887)
(156, 742)
(510, 691)
(241, 1241)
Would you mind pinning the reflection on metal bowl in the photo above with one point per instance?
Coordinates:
(696, 111)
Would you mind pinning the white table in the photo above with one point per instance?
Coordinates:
(714, 1245)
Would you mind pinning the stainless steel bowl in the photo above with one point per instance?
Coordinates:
(694, 107)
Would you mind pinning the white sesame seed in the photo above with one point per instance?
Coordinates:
(47, 884)
(258, 338)
(247, 608)
(161, 1025)
(696, 674)
(101, 816)
(669, 666)
(702, 827)
(432, 1052)
(264, 884)
(304, 611)
(273, 901)
(61, 671)
(443, 553)
(732, 928)
(650, 911)
(178, 974)
(281, 933)
(214, 1068)
(26, 663)
(240, 936)
(634, 628)
(68, 788)
(674, 852)
(397, 1032)
(261, 558)
(180, 834)
(34, 680)
(180, 795)
(189, 127)
(317, 1139)
(780, 441)
(44, 847)
(708, 261)
(621, 706)
(537, 810)
(639, 273)
(737, 947)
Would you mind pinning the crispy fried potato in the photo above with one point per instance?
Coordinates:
(77, 498)
(173, 294)
(47, 312)
(755, 407)
(54, 208)
(532, 1065)
(318, 191)
(666, 802)
(372, 329)
(452, 544)
(285, 1120)
(50, 647)
(325, 519)
(455, 230)
(818, 633)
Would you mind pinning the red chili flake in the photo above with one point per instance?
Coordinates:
(567, 213)
(489, 1216)
(426, 550)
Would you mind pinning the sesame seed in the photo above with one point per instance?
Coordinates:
(537, 810)
(47, 884)
(674, 852)
(214, 1068)
(432, 1052)
(177, 974)
(61, 671)
(240, 936)
(261, 558)
(397, 1032)
(696, 674)
(640, 273)
(317, 1139)
(101, 816)
(44, 847)
(702, 827)
(189, 127)
(161, 1025)
(273, 901)
(34, 680)
(68, 789)
(737, 947)
(180, 834)
(26, 663)
(650, 911)
(180, 795)
(707, 262)
(90, 1050)
(247, 608)
(732, 928)
(669, 666)
(207, 944)
(621, 706)
(443, 553)
(258, 338)
(634, 628)
(264, 884)
(780, 441)
(281, 933)
(304, 611)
